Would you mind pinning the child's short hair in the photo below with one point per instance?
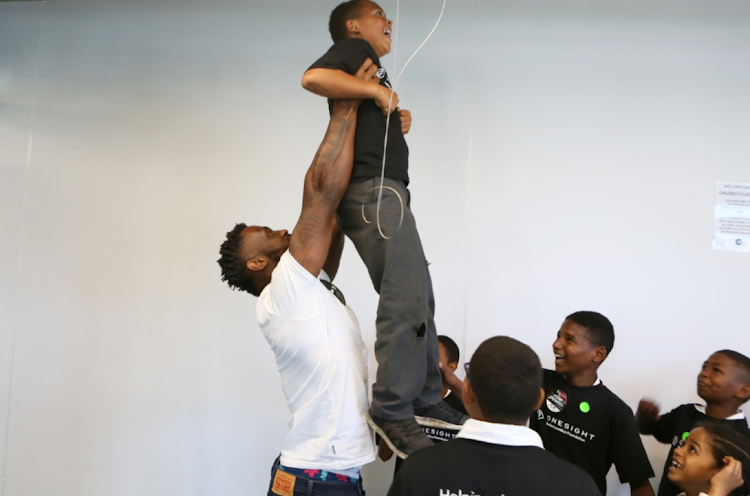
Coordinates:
(340, 15)
(451, 348)
(726, 440)
(506, 377)
(599, 329)
(741, 361)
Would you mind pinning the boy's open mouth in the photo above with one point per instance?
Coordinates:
(387, 32)
(675, 465)
(559, 357)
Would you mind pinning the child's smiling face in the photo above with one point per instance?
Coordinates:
(693, 465)
(573, 351)
(372, 26)
(719, 379)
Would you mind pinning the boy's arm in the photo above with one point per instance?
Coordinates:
(337, 85)
(646, 415)
(641, 488)
(451, 381)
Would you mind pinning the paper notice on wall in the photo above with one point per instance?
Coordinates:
(732, 217)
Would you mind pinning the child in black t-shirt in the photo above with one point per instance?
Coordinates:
(713, 461)
(495, 452)
(724, 384)
(380, 223)
(581, 420)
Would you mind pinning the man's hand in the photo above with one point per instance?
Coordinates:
(384, 451)
(405, 120)
(728, 479)
(367, 71)
(647, 413)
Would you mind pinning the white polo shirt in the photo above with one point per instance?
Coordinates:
(322, 361)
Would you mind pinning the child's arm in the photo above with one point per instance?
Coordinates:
(728, 479)
(646, 415)
(641, 488)
(337, 85)
(451, 381)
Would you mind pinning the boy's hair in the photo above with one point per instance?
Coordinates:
(726, 440)
(741, 361)
(232, 268)
(506, 377)
(451, 348)
(340, 15)
(599, 329)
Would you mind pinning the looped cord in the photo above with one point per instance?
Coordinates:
(388, 121)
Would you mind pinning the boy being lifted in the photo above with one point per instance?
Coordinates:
(408, 381)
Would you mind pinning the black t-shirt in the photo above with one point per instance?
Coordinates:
(347, 55)
(592, 428)
(466, 466)
(673, 427)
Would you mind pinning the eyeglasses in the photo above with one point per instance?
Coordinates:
(466, 368)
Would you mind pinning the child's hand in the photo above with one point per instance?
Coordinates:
(728, 479)
(648, 412)
(368, 72)
(405, 120)
(384, 100)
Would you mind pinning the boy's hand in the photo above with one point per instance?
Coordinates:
(405, 120)
(728, 479)
(384, 101)
(451, 381)
(647, 413)
(368, 72)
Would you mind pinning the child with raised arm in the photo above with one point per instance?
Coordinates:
(581, 420)
(724, 384)
(713, 461)
(408, 381)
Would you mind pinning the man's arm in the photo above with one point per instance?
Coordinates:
(325, 184)
(337, 84)
(331, 265)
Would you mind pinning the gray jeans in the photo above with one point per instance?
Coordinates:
(406, 347)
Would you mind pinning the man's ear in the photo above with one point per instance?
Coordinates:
(600, 353)
(541, 399)
(257, 263)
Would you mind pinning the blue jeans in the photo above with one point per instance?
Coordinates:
(307, 487)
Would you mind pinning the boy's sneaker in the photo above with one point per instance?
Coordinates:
(404, 437)
(441, 416)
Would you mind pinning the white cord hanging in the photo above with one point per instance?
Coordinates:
(388, 121)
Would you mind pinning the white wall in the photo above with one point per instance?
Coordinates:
(563, 158)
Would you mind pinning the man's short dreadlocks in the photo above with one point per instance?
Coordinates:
(231, 263)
